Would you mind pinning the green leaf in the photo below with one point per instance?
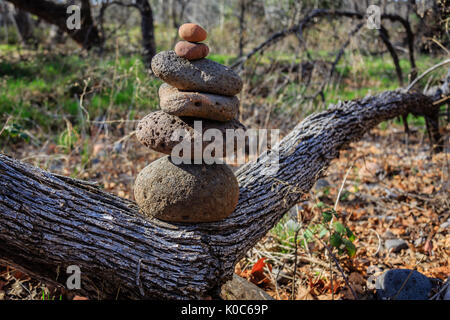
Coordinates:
(320, 205)
(323, 232)
(339, 227)
(327, 216)
(351, 249)
(308, 234)
(350, 235)
(335, 240)
(344, 196)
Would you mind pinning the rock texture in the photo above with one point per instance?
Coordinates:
(241, 289)
(201, 75)
(156, 130)
(192, 32)
(416, 287)
(196, 126)
(186, 193)
(191, 50)
(196, 104)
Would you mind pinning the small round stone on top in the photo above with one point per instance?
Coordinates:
(192, 32)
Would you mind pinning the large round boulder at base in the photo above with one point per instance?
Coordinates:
(195, 104)
(201, 75)
(186, 193)
(158, 130)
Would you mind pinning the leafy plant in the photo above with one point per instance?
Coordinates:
(340, 236)
(16, 131)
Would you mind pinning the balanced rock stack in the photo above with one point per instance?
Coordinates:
(195, 89)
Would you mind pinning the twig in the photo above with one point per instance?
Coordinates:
(342, 187)
(436, 66)
(276, 281)
(445, 286)
(4, 126)
(403, 285)
(443, 100)
(379, 242)
(340, 269)
(338, 266)
(295, 263)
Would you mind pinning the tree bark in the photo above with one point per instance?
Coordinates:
(48, 222)
(147, 32)
(24, 25)
(87, 36)
(147, 27)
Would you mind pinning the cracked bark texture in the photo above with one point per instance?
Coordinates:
(48, 222)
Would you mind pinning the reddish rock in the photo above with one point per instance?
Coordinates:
(191, 50)
(192, 32)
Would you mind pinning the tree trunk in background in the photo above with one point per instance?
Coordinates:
(24, 25)
(87, 36)
(242, 7)
(147, 31)
(48, 222)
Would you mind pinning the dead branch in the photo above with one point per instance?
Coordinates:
(48, 223)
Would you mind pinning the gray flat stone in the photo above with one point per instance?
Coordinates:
(201, 75)
(396, 245)
(417, 287)
(321, 184)
(196, 104)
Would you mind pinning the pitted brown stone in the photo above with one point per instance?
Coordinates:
(157, 130)
(186, 193)
(201, 75)
(196, 104)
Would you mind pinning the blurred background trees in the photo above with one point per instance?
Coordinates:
(240, 23)
(70, 99)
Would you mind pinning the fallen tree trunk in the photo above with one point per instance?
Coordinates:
(48, 222)
(87, 36)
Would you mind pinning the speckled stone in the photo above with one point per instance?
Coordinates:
(201, 75)
(191, 50)
(192, 32)
(186, 193)
(417, 287)
(196, 104)
(157, 128)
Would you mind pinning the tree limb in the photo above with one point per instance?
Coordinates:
(318, 13)
(48, 223)
(87, 36)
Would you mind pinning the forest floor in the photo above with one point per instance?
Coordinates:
(390, 186)
(62, 112)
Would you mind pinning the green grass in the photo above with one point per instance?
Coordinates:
(42, 92)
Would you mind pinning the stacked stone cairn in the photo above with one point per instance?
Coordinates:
(195, 89)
